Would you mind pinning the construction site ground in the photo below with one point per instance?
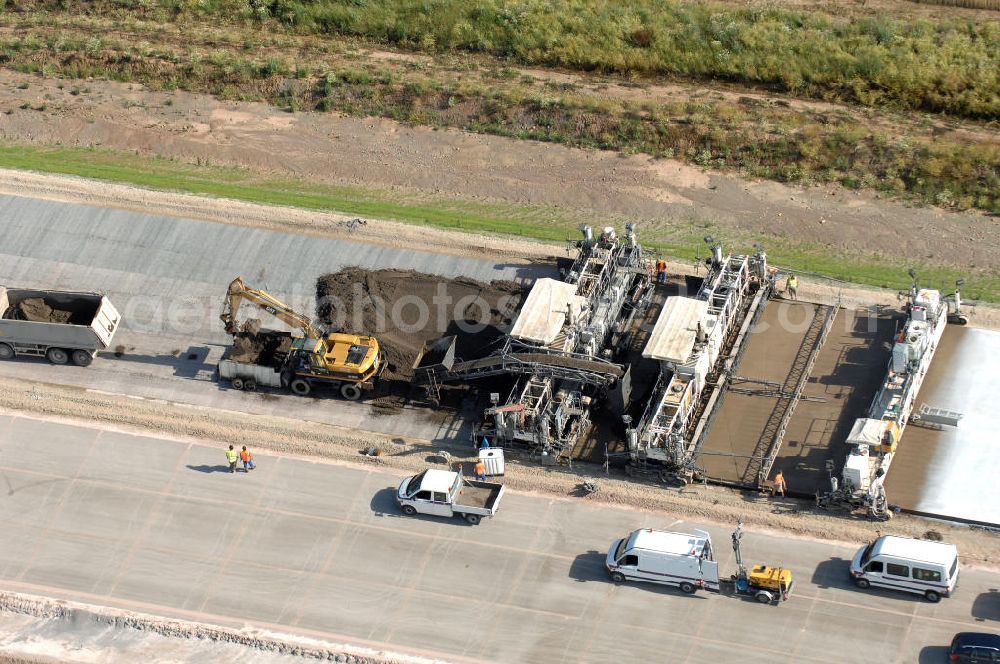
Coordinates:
(164, 378)
(158, 531)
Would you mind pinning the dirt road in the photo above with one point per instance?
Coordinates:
(666, 196)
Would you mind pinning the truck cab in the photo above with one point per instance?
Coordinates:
(447, 493)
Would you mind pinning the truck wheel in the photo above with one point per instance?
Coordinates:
(350, 391)
(472, 518)
(6, 352)
(237, 383)
(862, 583)
(82, 358)
(409, 510)
(618, 577)
(687, 588)
(250, 385)
(932, 596)
(763, 597)
(57, 356)
(300, 387)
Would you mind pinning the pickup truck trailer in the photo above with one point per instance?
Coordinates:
(58, 325)
(447, 493)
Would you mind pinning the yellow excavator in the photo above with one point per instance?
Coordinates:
(345, 361)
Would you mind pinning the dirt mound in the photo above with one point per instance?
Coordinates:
(406, 309)
(35, 310)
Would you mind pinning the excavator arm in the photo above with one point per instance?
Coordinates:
(238, 292)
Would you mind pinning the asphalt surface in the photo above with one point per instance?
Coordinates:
(320, 550)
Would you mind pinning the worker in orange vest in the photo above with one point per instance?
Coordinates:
(661, 271)
(779, 484)
(247, 460)
(481, 471)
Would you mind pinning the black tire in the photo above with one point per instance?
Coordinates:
(932, 596)
(688, 588)
(473, 519)
(237, 383)
(618, 577)
(6, 352)
(763, 597)
(57, 356)
(300, 387)
(350, 391)
(409, 510)
(862, 583)
(250, 385)
(82, 358)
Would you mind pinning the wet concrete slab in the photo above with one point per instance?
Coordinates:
(737, 431)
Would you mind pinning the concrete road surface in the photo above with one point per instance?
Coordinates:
(320, 549)
(168, 276)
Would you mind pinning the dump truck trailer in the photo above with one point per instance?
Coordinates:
(62, 326)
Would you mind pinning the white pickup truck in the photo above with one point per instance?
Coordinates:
(446, 493)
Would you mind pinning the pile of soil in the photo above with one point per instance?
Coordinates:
(35, 310)
(264, 348)
(406, 309)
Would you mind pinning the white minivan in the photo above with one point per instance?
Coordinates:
(914, 566)
(675, 559)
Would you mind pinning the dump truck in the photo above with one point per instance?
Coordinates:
(343, 361)
(62, 326)
(447, 493)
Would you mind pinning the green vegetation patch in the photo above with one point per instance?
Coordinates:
(948, 65)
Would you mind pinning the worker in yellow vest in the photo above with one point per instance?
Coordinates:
(231, 457)
(792, 287)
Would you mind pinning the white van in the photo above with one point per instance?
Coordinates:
(914, 566)
(674, 559)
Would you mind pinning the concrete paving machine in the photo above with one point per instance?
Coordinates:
(874, 438)
(564, 346)
(697, 341)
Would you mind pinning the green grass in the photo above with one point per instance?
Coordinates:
(938, 64)
(681, 241)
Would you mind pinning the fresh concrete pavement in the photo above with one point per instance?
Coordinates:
(168, 276)
(320, 549)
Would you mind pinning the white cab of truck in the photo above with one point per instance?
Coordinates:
(913, 566)
(674, 559)
(447, 493)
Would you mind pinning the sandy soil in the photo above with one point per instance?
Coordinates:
(660, 194)
(296, 437)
